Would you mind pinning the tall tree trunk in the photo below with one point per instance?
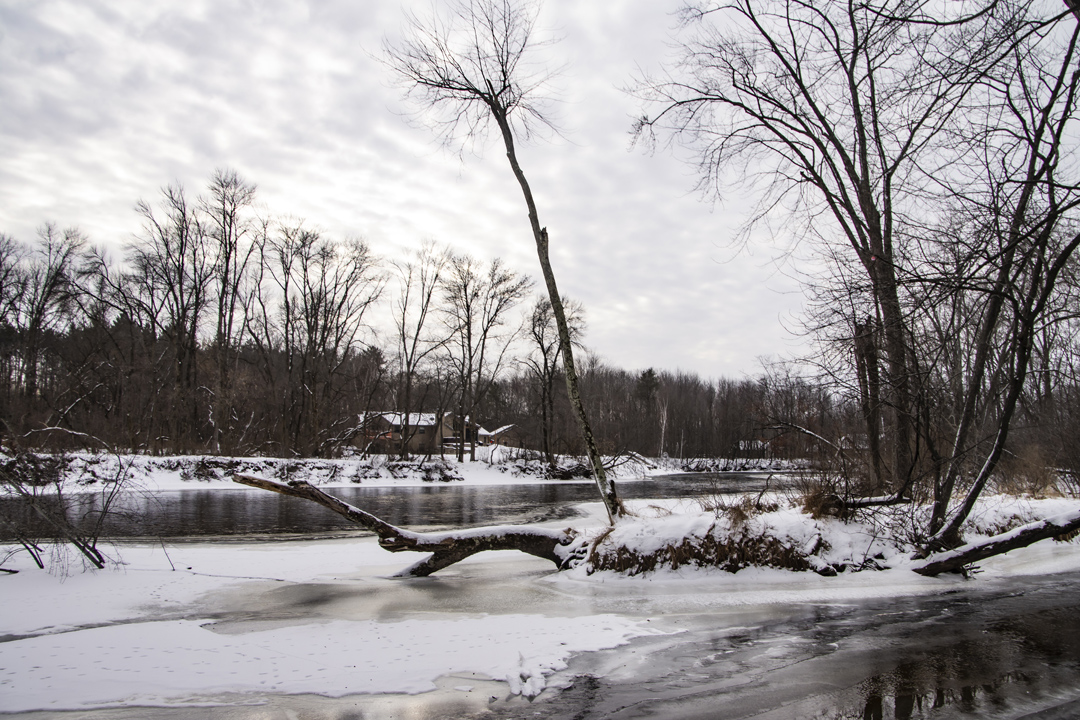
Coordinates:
(886, 292)
(605, 485)
(866, 364)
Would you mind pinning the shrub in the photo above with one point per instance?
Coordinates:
(727, 551)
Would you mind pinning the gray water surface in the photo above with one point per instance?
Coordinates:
(226, 512)
(1001, 649)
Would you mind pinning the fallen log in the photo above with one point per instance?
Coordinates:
(957, 559)
(446, 548)
(880, 501)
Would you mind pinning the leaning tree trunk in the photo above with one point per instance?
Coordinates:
(957, 560)
(446, 548)
(605, 485)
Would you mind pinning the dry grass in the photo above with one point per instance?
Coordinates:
(736, 508)
(820, 495)
(1067, 537)
(730, 544)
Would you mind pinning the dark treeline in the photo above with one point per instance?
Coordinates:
(220, 331)
(678, 414)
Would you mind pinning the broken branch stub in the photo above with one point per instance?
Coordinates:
(446, 548)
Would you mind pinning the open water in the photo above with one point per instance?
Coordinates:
(198, 513)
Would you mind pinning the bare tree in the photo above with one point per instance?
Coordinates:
(419, 282)
(232, 250)
(477, 302)
(11, 281)
(469, 68)
(12, 286)
(832, 108)
(172, 263)
(937, 149)
(45, 294)
(46, 512)
(1026, 233)
(307, 320)
(543, 361)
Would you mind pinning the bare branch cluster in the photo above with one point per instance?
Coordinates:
(929, 152)
(471, 62)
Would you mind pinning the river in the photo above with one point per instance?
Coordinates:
(199, 513)
(1004, 648)
(1007, 648)
(1000, 648)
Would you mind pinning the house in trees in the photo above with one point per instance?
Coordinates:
(426, 432)
(508, 435)
(430, 433)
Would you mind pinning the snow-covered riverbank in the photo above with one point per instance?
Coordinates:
(232, 623)
(495, 465)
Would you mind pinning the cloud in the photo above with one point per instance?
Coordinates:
(104, 103)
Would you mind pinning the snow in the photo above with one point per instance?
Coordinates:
(692, 589)
(139, 634)
(495, 465)
(167, 662)
(194, 624)
(415, 419)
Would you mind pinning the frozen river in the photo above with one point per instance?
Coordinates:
(1002, 650)
(1006, 647)
(889, 645)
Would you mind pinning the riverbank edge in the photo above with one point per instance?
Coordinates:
(495, 465)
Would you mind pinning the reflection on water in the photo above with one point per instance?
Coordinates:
(1005, 649)
(242, 512)
(1025, 661)
(904, 702)
(1003, 696)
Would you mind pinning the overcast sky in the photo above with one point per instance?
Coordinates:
(103, 102)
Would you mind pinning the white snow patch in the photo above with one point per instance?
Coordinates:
(495, 465)
(167, 663)
(106, 638)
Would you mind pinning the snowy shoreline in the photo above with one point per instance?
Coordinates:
(197, 624)
(495, 465)
(181, 625)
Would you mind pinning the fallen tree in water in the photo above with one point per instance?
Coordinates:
(445, 548)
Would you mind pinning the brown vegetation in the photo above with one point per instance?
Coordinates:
(731, 553)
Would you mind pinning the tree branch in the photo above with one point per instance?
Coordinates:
(446, 548)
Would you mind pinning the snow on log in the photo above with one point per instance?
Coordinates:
(446, 548)
(955, 560)
(879, 501)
